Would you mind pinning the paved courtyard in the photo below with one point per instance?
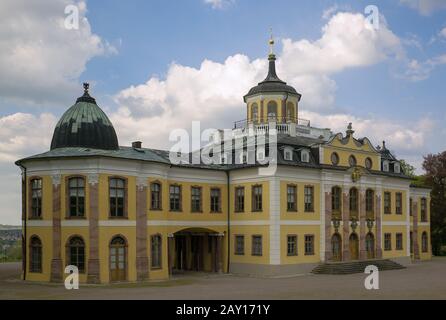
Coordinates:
(426, 280)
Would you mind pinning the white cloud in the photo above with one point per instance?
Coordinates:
(24, 134)
(219, 4)
(443, 33)
(425, 7)
(41, 60)
(418, 71)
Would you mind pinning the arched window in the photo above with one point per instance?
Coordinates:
(76, 193)
(36, 198)
(369, 197)
(156, 244)
(305, 156)
(76, 253)
(254, 112)
(117, 197)
(336, 193)
(353, 201)
(272, 110)
(290, 114)
(352, 161)
(35, 254)
(424, 242)
(370, 245)
(386, 166)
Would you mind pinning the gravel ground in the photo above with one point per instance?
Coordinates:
(422, 280)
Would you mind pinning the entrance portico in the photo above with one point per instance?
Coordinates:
(196, 249)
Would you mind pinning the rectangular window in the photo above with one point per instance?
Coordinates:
(309, 245)
(156, 251)
(369, 197)
(399, 241)
(387, 202)
(292, 245)
(257, 198)
(387, 241)
(336, 194)
(215, 200)
(399, 203)
(309, 198)
(175, 197)
(291, 198)
(195, 199)
(239, 199)
(36, 198)
(117, 197)
(76, 194)
(155, 196)
(256, 245)
(239, 245)
(423, 207)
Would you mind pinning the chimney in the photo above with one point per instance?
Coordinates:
(137, 144)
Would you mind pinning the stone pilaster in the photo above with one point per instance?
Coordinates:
(262, 110)
(93, 268)
(416, 248)
(362, 226)
(377, 208)
(142, 261)
(328, 213)
(345, 227)
(56, 261)
(284, 115)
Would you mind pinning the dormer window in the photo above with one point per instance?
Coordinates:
(288, 154)
(386, 166)
(396, 167)
(305, 156)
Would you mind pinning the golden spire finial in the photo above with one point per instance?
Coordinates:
(271, 42)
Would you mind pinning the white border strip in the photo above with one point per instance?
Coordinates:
(395, 223)
(39, 223)
(75, 223)
(117, 223)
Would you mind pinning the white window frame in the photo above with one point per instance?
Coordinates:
(386, 166)
(288, 154)
(305, 156)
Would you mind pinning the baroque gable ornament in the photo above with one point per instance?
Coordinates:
(356, 175)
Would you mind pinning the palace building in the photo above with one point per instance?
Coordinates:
(126, 213)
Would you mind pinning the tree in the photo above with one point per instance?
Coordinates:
(435, 167)
(408, 169)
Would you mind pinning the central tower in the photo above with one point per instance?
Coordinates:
(272, 99)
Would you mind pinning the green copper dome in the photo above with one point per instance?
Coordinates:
(85, 125)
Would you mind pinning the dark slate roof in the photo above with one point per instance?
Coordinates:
(85, 125)
(272, 83)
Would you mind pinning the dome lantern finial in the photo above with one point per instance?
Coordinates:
(86, 87)
(271, 43)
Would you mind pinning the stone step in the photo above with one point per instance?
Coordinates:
(351, 267)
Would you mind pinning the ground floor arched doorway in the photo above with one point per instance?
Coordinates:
(354, 246)
(370, 245)
(336, 245)
(196, 249)
(118, 259)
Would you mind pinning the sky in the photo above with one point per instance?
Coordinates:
(155, 66)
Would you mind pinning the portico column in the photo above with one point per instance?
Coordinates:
(219, 252)
(345, 227)
(142, 261)
(416, 248)
(328, 214)
(93, 260)
(379, 251)
(362, 226)
(56, 261)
